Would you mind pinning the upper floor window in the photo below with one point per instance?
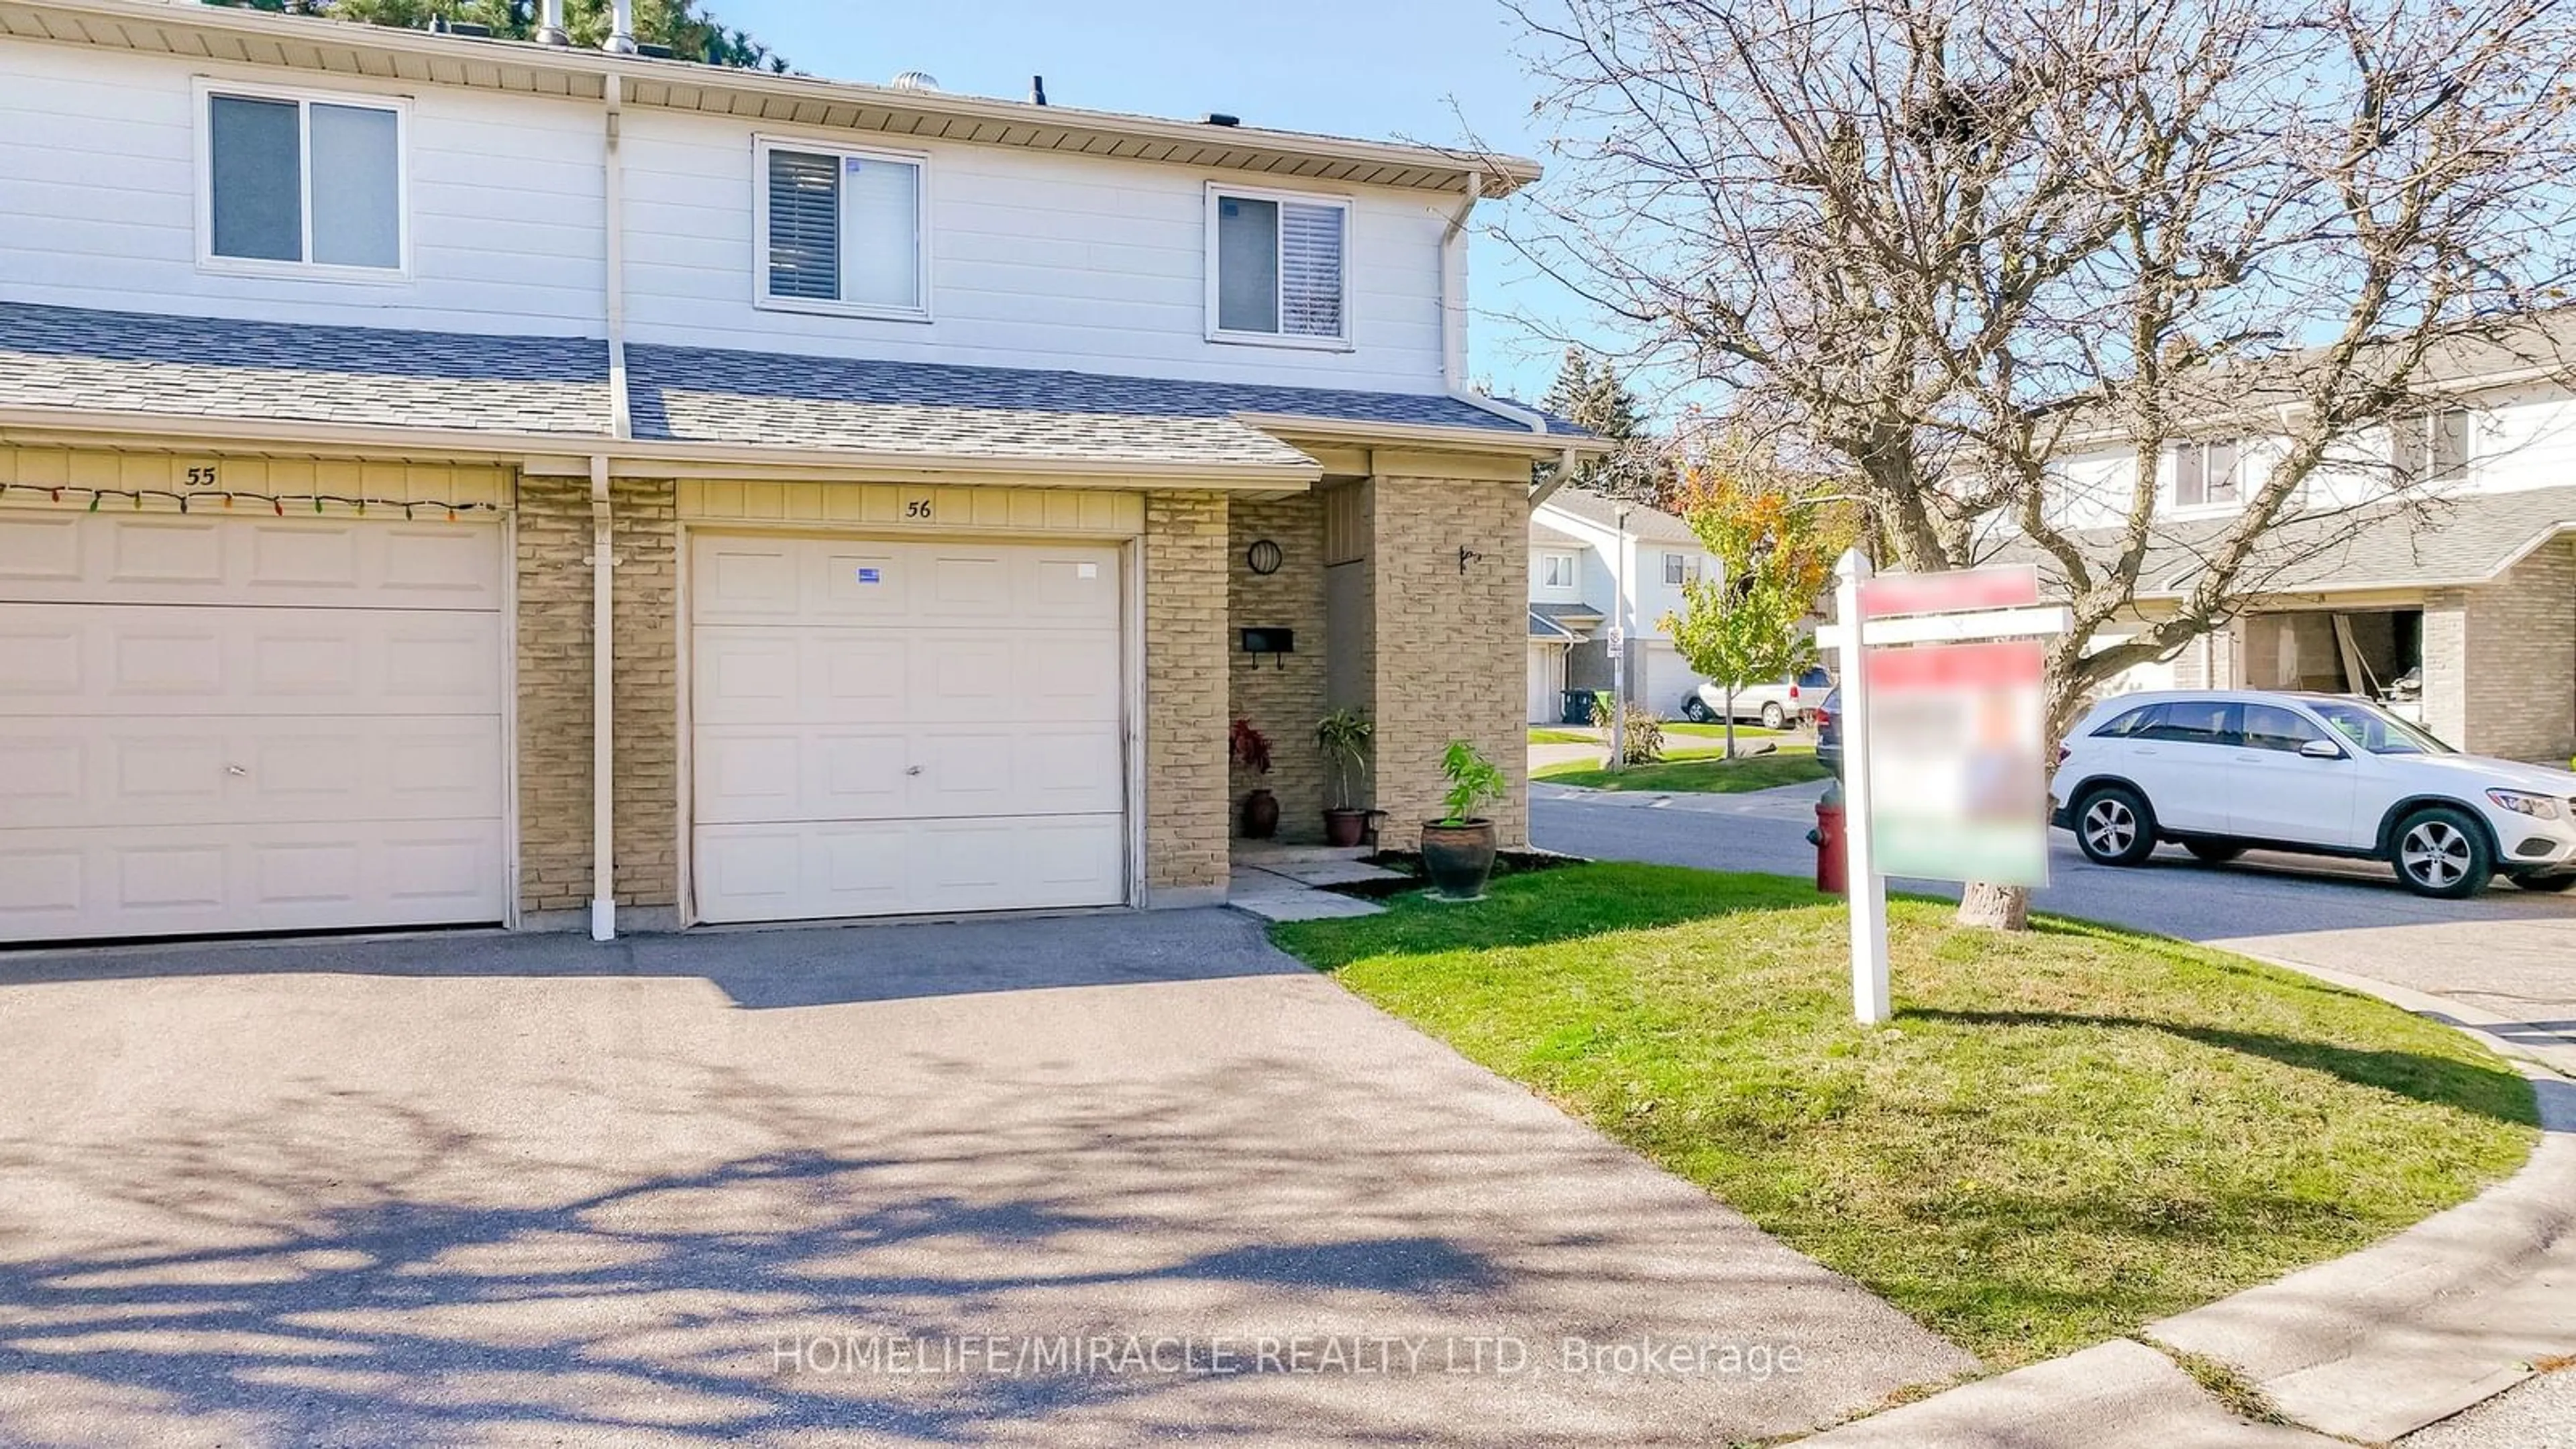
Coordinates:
(841, 231)
(1680, 568)
(2429, 447)
(301, 181)
(1556, 570)
(2205, 471)
(1278, 268)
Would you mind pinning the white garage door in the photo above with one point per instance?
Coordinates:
(882, 728)
(227, 724)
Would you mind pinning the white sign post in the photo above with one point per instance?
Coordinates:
(1944, 608)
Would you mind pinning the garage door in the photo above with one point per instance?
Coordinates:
(224, 724)
(882, 728)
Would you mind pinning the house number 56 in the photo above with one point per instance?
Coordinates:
(916, 508)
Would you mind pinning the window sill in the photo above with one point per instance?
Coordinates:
(1281, 339)
(814, 307)
(303, 271)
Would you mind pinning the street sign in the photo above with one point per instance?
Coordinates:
(1943, 728)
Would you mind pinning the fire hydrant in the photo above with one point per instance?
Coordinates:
(1827, 838)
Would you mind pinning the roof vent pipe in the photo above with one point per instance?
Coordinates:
(621, 28)
(1037, 90)
(550, 26)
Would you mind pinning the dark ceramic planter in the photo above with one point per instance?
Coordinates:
(1459, 858)
(1260, 815)
(1345, 827)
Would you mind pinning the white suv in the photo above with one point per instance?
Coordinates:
(2223, 771)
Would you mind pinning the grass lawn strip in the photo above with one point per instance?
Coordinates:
(1785, 766)
(2063, 1136)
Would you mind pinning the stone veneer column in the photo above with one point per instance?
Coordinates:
(2446, 665)
(1451, 656)
(2519, 669)
(553, 725)
(1186, 804)
(644, 531)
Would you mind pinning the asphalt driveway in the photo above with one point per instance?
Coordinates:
(2506, 954)
(1101, 1179)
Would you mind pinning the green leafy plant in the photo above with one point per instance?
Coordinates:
(1604, 708)
(1473, 781)
(1344, 737)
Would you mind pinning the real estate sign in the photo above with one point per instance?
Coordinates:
(1959, 790)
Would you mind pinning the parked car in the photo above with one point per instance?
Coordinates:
(2223, 771)
(1829, 732)
(1777, 704)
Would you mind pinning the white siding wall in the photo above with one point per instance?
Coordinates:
(98, 191)
(1038, 260)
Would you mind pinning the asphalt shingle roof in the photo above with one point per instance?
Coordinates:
(69, 357)
(64, 357)
(1542, 536)
(1643, 522)
(686, 394)
(2419, 542)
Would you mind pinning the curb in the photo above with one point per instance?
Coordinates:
(2366, 1347)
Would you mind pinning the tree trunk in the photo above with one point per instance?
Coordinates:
(1995, 907)
(1730, 722)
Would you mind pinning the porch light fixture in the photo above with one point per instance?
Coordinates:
(1264, 557)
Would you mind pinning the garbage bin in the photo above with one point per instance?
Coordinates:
(1578, 707)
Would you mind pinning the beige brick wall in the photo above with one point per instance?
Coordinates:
(554, 694)
(1451, 653)
(1283, 695)
(1186, 639)
(554, 735)
(2517, 677)
(644, 534)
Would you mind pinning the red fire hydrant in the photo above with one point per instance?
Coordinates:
(1827, 838)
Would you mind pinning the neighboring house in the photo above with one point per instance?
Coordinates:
(450, 480)
(2457, 604)
(1598, 565)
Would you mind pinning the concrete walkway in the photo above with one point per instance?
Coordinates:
(1110, 1179)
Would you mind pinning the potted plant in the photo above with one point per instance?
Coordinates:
(1458, 848)
(1251, 750)
(1343, 736)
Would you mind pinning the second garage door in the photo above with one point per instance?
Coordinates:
(882, 728)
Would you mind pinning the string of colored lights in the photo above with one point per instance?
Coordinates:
(277, 502)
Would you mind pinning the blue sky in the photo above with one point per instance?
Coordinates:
(1430, 70)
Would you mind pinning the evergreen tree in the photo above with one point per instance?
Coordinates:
(691, 33)
(1597, 398)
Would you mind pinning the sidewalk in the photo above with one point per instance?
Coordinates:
(2367, 1348)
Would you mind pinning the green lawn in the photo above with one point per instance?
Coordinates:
(2062, 1136)
(1542, 735)
(1569, 735)
(1788, 765)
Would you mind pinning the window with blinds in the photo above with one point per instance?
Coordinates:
(842, 231)
(1278, 267)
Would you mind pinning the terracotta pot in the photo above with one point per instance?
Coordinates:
(1260, 815)
(1345, 827)
(1459, 858)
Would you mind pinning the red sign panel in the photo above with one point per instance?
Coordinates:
(1953, 592)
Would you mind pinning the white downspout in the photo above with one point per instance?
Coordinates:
(603, 557)
(1453, 315)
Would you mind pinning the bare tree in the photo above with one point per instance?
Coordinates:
(1954, 244)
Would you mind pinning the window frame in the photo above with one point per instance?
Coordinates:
(203, 92)
(764, 142)
(2414, 444)
(1549, 558)
(1217, 191)
(2235, 473)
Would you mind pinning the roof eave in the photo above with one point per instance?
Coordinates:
(1520, 443)
(300, 42)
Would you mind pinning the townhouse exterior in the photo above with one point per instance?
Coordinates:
(1598, 568)
(2432, 564)
(448, 480)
